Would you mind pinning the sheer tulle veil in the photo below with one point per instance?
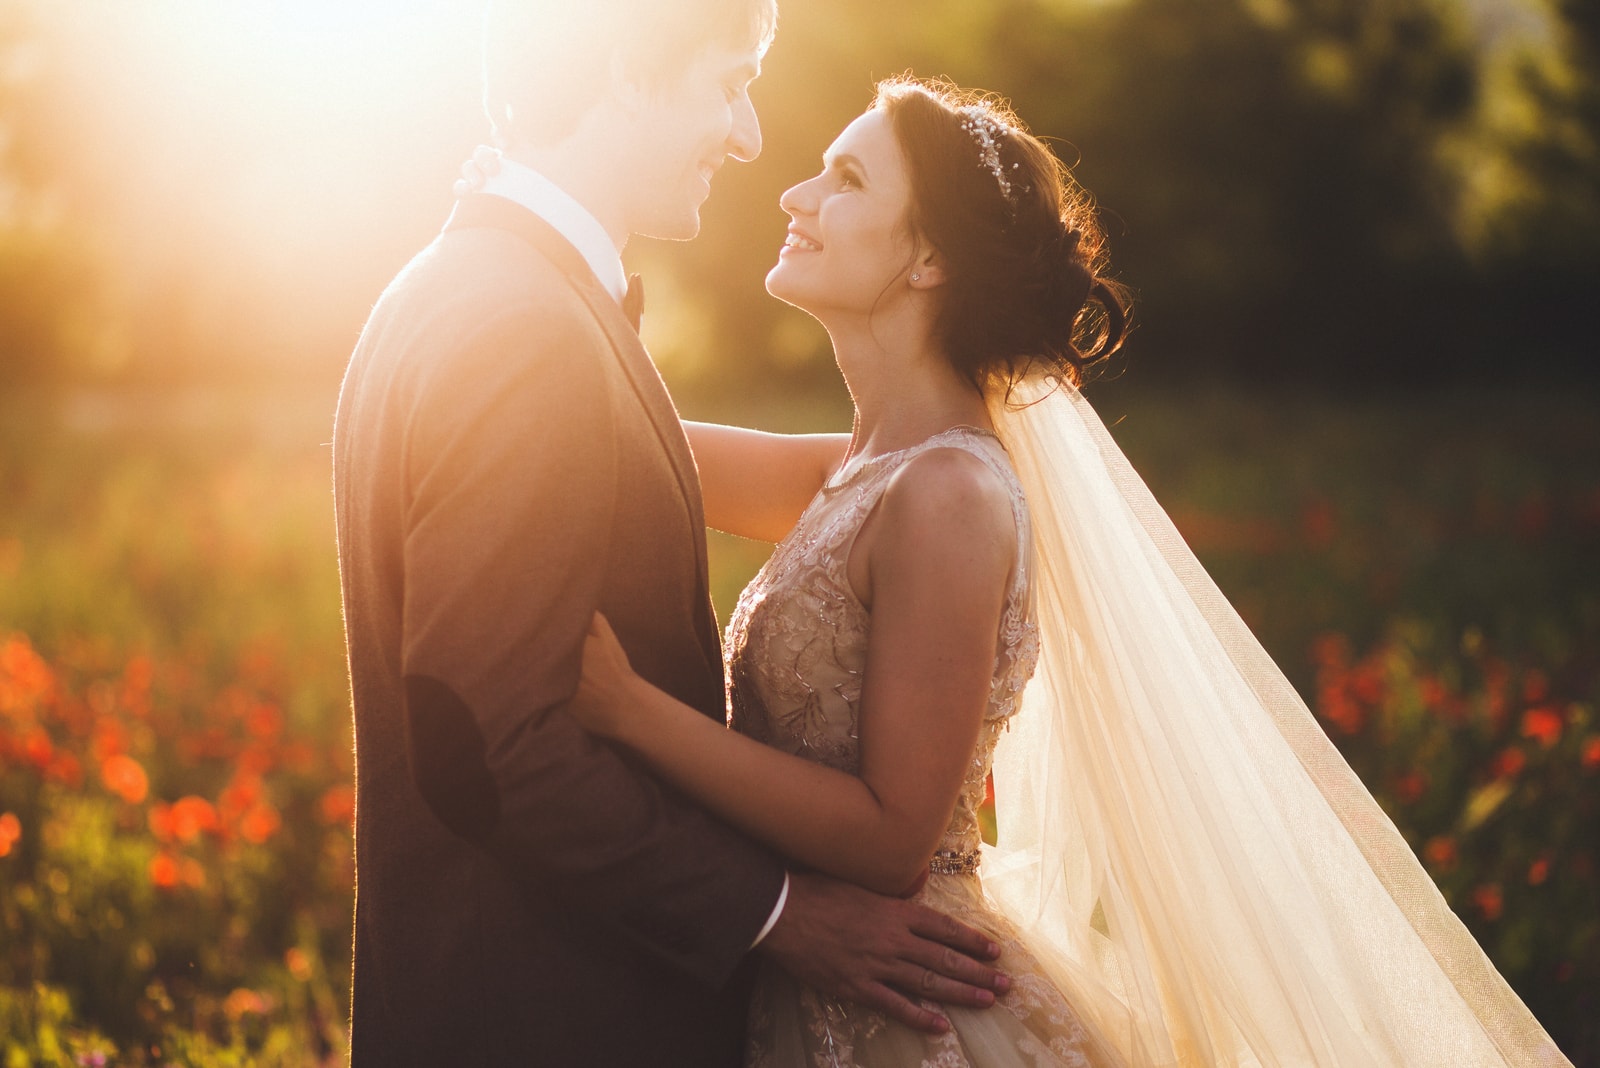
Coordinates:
(1184, 845)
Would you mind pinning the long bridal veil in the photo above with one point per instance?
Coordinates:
(1179, 836)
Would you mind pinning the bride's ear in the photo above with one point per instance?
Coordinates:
(927, 269)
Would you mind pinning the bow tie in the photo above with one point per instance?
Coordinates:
(633, 301)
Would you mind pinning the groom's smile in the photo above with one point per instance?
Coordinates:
(686, 133)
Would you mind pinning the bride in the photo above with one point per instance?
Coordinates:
(1187, 873)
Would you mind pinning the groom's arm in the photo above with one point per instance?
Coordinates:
(512, 478)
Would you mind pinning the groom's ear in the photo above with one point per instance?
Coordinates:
(626, 85)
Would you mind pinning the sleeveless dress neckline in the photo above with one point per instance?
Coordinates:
(835, 483)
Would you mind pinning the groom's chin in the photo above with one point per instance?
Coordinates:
(682, 227)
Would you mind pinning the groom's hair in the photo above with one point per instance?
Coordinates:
(547, 62)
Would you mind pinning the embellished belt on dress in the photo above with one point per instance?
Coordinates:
(953, 862)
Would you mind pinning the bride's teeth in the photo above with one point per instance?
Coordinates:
(796, 241)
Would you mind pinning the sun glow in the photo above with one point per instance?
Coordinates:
(304, 61)
(227, 153)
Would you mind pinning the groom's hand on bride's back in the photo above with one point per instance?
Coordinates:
(888, 953)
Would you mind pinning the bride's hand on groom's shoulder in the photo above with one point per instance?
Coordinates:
(604, 689)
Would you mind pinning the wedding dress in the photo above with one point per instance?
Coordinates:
(797, 651)
(1187, 872)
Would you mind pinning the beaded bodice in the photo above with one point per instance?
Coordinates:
(797, 642)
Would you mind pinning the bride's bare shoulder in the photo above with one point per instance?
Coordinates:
(952, 503)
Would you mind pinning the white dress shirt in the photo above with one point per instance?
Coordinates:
(523, 185)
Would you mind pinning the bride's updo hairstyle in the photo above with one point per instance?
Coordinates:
(1021, 248)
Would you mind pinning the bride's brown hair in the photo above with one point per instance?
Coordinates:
(1022, 250)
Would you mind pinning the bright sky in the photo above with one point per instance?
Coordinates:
(231, 148)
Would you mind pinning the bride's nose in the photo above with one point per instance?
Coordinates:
(799, 199)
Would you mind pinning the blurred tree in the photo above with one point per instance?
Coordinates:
(1539, 233)
(47, 302)
(1277, 166)
(1391, 193)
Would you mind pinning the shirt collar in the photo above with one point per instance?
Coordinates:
(523, 185)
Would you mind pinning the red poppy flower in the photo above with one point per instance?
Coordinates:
(1331, 650)
(191, 816)
(164, 871)
(1340, 711)
(337, 805)
(1489, 900)
(1543, 724)
(1318, 524)
(125, 777)
(1410, 787)
(160, 820)
(66, 769)
(110, 738)
(299, 964)
(39, 749)
(10, 832)
(243, 1002)
(240, 793)
(25, 679)
(264, 721)
(1508, 762)
(260, 823)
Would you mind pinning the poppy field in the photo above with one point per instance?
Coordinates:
(175, 758)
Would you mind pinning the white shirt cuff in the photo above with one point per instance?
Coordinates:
(777, 910)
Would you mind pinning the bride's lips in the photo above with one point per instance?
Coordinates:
(799, 241)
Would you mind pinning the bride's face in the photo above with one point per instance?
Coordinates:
(850, 247)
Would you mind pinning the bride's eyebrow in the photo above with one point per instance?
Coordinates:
(844, 161)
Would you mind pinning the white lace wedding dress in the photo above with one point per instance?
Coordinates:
(797, 651)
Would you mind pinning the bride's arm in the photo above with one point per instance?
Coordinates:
(756, 484)
(940, 547)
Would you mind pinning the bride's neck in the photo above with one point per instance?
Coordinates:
(904, 388)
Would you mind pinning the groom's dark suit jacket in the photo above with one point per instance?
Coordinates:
(506, 462)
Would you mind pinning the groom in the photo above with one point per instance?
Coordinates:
(507, 461)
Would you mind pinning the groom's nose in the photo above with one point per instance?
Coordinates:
(744, 139)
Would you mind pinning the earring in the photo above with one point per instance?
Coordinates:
(916, 278)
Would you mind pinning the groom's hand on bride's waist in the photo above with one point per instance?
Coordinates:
(885, 952)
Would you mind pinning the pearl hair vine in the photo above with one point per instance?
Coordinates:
(981, 125)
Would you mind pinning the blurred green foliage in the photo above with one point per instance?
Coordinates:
(1354, 195)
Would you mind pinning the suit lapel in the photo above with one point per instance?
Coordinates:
(499, 213)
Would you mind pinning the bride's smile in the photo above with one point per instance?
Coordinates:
(850, 240)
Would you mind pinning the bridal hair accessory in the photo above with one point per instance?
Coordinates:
(484, 164)
(985, 129)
